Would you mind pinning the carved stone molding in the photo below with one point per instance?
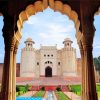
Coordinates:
(97, 12)
(16, 47)
(39, 6)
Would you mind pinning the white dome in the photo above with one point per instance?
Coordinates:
(29, 40)
(67, 40)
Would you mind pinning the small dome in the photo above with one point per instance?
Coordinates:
(67, 40)
(29, 40)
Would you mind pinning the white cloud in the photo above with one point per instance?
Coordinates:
(32, 20)
(97, 47)
(59, 28)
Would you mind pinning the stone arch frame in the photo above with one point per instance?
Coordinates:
(97, 12)
(1, 14)
(39, 6)
(88, 60)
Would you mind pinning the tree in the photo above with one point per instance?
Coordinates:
(97, 63)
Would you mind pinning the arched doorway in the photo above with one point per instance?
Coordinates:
(48, 72)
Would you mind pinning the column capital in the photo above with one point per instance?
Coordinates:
(9, 43)
(16, 47)
(87, 42)
(80, 45)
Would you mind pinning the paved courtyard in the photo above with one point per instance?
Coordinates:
(49, 81)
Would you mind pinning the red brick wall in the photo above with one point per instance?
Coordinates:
(18, 68)
(79, 66)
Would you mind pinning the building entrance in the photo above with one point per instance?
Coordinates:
(48, 72)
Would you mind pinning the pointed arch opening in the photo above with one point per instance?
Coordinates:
(48, 71)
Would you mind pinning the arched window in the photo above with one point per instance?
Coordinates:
(52, 55)
(67, 44)
(50, 62)
(37, 63)
(58, 63)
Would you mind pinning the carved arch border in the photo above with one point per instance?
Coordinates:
(97, 12)
(39, 6)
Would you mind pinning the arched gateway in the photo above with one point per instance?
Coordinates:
(48, 72)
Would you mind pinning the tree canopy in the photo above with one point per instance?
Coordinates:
(97, 63)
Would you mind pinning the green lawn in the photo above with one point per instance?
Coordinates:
(39, 94)
(77, 89)
(61, 96)
(98, 90)
(21, 89)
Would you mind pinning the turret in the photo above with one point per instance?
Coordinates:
(67, 43)
(29, 42)
(27, 66)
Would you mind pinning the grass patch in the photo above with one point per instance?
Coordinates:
(39, 94)
(61, 96)
(98, 90)
(76, 89)
(21, 89)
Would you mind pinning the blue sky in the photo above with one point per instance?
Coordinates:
(50, 28)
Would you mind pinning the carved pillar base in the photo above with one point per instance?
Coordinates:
(5, 78)
(83, 71)
(89, 88)
(14, 73)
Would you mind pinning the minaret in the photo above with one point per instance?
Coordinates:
(29, 43)
(27, 66)
(67, 43)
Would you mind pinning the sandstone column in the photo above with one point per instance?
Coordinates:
(5, 78)
(6, 89)
(89, 87)
(14, 72)
(10, 73)
(82, 69)
(9, 40)
(89, 75)
(87, 29)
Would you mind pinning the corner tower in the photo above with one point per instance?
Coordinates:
(69, 65)
(67, 43)
(27, 68)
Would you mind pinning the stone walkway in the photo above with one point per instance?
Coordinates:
(28, 94)
(55, 98)
(46, 95)
(72, 96)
